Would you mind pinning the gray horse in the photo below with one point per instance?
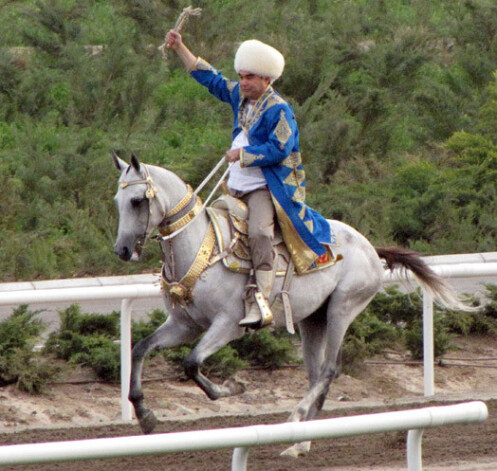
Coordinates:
(324, 302)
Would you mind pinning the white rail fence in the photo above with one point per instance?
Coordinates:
(129, 289)
(242, 438)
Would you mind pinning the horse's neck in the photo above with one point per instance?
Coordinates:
(180, 250)
(171, 187)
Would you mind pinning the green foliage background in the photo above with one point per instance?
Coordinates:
(396, 101)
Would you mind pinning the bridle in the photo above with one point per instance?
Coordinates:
(169, 223)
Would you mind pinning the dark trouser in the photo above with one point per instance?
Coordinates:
(260, 227)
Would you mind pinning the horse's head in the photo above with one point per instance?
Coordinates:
(140, 207)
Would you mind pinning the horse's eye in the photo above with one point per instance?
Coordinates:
(136, 202)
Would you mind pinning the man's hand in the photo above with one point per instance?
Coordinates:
(173, 40)
(232, 155)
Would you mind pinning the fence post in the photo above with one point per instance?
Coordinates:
(428, 344)
(126, 309)
(414, 454)
(239, 459)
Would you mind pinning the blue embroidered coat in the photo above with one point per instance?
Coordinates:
(274, 147)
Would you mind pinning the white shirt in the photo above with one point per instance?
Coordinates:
(244, 178)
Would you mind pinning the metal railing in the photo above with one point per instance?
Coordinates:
(128, 289)
(243, 438)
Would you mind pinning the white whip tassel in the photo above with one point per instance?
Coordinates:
(180, 22)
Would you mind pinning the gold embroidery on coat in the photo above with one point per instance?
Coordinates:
(293, 160)
(299, 195)
(268, 99)
(303, 257)
(283, 131)
(295, 178)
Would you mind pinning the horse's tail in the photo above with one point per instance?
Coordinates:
(442, 293)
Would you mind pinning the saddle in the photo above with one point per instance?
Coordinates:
(229, 219)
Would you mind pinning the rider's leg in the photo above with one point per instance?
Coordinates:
(261, 234)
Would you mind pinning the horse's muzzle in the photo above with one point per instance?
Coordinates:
(123, 253)
(127, 254)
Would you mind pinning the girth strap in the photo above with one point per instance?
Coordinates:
(282, 301)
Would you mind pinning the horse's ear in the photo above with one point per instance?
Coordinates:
(120, 164)
(135, 162)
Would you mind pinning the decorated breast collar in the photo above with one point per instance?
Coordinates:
(190, 205)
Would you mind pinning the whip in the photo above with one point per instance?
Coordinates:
(180, 22)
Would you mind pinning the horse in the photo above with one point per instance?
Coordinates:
(324, 302)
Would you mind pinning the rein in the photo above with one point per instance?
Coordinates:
(202, 208)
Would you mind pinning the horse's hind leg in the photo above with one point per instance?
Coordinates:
(169, 334)
(313, 334)
(322, 351)
(314, 341)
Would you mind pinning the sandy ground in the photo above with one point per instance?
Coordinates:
(82, 408)
(382, 380)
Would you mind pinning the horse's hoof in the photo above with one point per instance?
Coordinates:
(148, 422)
(234, 387)
(299, 449)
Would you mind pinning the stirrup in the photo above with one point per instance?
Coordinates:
(259, 314)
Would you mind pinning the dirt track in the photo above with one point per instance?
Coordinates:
(90, 410)
(468, 447)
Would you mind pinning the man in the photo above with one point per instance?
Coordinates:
(266, 170)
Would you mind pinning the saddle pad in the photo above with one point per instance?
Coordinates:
(228, 227)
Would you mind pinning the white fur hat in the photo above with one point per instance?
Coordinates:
(259, 58)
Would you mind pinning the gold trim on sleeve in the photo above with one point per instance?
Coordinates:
(247, 159)
(202, 64)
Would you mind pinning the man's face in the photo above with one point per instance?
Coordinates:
(252, 85)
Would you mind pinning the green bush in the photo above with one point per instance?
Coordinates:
(481, 322)
(413, 338)
(88, 340)
(19, 364)
(73, 320)
(386, 94)
(143, 328)
(367, 336)
(267, 349)
(394, 320)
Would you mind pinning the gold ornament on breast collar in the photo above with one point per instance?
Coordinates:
(181, 291)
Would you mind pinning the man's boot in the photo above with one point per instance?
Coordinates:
(257, 311)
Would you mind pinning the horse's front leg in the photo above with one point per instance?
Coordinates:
(221, 332)
(170, 334)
